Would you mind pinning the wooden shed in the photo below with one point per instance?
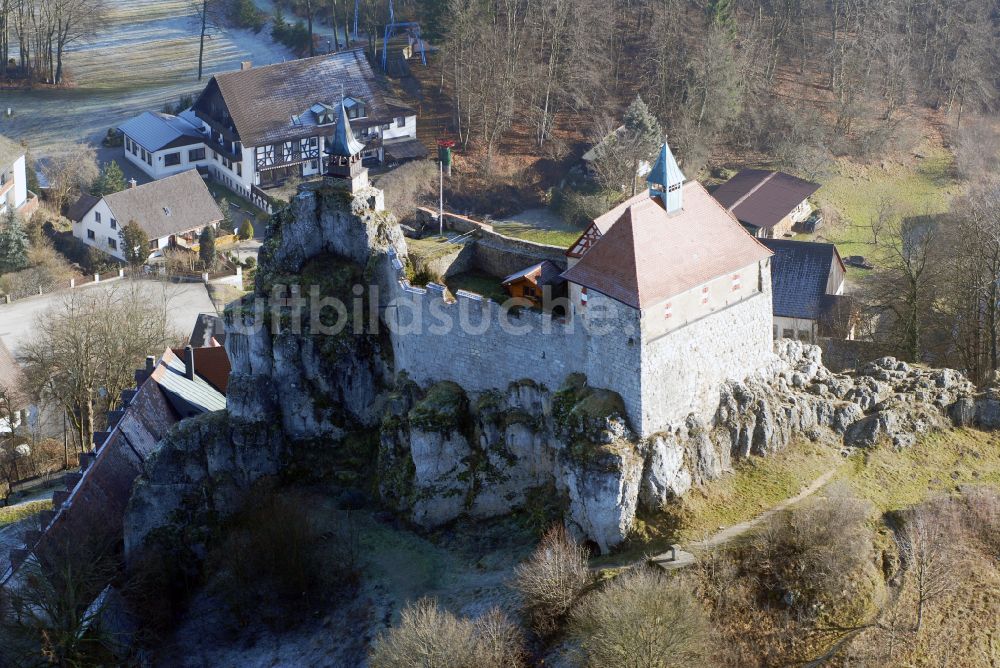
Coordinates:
(530, 282)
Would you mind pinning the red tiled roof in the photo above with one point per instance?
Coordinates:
(648, 255)
(763, 198)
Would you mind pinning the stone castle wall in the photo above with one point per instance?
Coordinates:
(475, 343)
(683, 371)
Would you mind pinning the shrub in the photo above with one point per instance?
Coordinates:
(641, 618)
(552, 579)
(983, 516)
(245, 14)
(808, 555)
(246, 229)
(429, 636)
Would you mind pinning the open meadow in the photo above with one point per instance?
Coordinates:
(145, 57)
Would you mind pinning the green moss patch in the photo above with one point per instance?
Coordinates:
(444, 408)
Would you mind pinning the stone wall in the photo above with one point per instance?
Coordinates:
(841, 354)
(683, 371)
(499, 255)
(477, 344)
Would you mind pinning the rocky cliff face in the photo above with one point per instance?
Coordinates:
(444, 452)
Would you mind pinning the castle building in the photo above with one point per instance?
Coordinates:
(692, 283)
(668, 298)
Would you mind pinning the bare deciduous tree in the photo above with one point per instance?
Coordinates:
(930, 550)
(87, 348)
(552, 579)
(642, 618)
(71, 173)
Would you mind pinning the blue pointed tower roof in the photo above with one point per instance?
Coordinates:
(665, 172)
(343, 142)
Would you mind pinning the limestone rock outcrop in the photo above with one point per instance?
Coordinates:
(445, 452)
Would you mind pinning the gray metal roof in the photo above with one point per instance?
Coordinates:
(187, 395)
(800, 271)
(155, 131)
(343, 142)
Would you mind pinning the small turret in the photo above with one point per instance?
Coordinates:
(344, 154)
(666, 180)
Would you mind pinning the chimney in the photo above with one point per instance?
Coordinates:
(246, 65)
(150, 363)
(189, 362)
(132, 183)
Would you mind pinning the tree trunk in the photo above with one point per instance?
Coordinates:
(201, 43)
(333, 24)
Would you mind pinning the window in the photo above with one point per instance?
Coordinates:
(401, 121)
(196, 154)
(172, 159)
(386, 126)
(788, 333)
(529, 291)
(112, 243)
(154, 245)
(314, 164)
(91, 235)
(804, 335)
(239, 169)
(114, 224)
(97, 216)
(149, 158)
(215, 156)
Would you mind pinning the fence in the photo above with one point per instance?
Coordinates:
(233, 275)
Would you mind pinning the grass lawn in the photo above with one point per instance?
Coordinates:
(480, 283)
(924, 186)
(938, 463)
(424, 251)
(21, 511)
(561, 237)
(891, 479)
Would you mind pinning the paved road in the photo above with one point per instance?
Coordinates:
(185, 301)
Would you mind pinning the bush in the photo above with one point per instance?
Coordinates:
(983, 516)
(429, 636)
(578, 207)
(808, 555)
(552, 579)
(277, 557)
(642, 618)
(245, 14)
(246, 230)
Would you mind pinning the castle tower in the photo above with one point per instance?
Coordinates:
(666, 179)
(344, 155)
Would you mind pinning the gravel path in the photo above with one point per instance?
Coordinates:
(686, 557)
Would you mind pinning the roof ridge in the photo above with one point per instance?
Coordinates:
(750, 192)
(296, 61)
(730, 215)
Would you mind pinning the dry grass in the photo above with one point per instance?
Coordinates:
(13, 514)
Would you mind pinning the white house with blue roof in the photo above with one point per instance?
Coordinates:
(162, 144)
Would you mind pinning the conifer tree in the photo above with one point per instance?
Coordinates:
(206, 247)
(111, 180)
(13, 244)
